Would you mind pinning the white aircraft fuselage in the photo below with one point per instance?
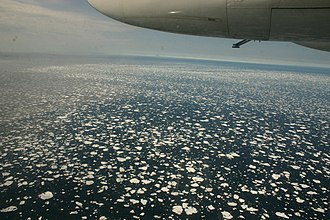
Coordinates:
(305, 22)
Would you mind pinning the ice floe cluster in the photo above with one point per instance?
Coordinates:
(164, 141)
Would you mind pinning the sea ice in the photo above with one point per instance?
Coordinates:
(210, 207)
(46, 195)
(8, 183)
(191, 170)
(299, 200)
(276, 176)
(319, 210)
(190, 210)
(134, 201)
(197, 179)
(282, 215)
(226, 215)
(9, 209)
(134, 180)
(233, 204)
(177, 210)
(89, 182)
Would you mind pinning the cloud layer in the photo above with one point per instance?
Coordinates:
(73, 27)
(27, 26)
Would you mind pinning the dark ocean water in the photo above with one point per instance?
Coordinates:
(162, 138)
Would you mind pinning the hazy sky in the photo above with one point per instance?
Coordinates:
(73, 27)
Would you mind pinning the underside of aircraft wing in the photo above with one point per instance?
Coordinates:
(305, 22)
(325, 46)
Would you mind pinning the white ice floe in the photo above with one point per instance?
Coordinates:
(191, 170)
(9, 209)
(224, 184)
(46, 195)
(173, 183)
(311, 193)
(276, 176)
(120, 159)
(304, 186)
(134, 180)
(319, 210)
(120, 200)
(190, 210)
(4, 174)
(208, 189)
(299, 200)
(197, 179)
(295, 167)
(140, 191)
(232, 155)
(232, 204)
(134, 201)
(144, 168)
(251, 209)
(146, 182)
(138, 148)
(282, 215)
(170, 128)
(89, 182)
(177, 210)
(144, 201)
(226, 215)
(211, 207)
(174, 193)
(195, 185)
(79, 204)
(165, 189)
(8, 183)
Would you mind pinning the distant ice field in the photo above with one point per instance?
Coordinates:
(162, 138)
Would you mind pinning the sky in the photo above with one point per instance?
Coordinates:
(74, 27)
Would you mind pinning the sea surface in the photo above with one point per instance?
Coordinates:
(162, 138)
